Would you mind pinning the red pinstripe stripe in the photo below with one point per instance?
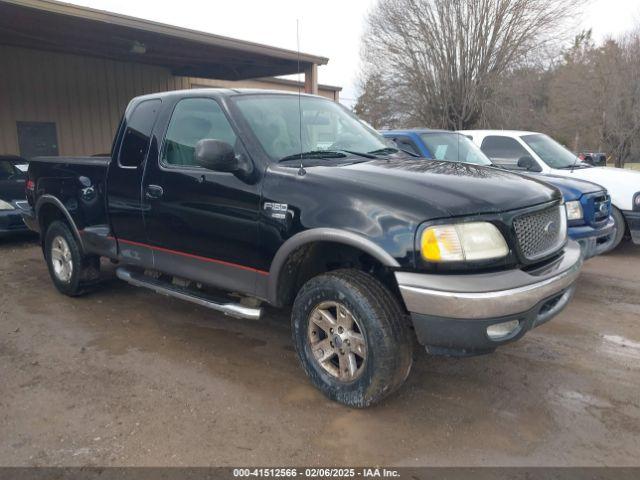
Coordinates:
(190, 255)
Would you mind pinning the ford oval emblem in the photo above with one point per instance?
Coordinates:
(549, 227)
(603, 208)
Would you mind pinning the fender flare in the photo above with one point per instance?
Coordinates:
(50, 199)
(322, 235)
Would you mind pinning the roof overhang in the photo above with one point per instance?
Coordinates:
(61, 27)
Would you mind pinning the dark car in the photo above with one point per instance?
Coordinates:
(291, 201)
(12, 194)
(594, 158)
(588, 205)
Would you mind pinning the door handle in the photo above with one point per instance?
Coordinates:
(153, 192)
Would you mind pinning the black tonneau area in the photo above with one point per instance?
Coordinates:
(94, 161)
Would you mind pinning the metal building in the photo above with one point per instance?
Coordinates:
(67, 72)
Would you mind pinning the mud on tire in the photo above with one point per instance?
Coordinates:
(379, 320)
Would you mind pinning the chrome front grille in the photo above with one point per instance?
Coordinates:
(541, 233)
(601, 208)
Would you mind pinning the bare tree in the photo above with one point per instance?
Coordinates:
(375, 104)
(573, 96)
(619, 69)
(440, 59)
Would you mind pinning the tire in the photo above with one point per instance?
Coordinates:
(371, 372)
(621, 228)
(71, 272)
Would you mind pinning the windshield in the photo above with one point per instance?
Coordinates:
(453, 147)
(326, 126)
(10, 171)
(551, 152)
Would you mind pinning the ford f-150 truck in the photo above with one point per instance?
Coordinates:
(232, 199)
(588, 205)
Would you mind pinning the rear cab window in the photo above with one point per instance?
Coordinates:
(135, 143)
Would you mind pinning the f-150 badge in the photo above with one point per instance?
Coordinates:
(277, 210)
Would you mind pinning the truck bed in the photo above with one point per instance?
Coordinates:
(79, 183)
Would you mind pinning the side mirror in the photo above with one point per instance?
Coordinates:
(529, 164)
(216, 155)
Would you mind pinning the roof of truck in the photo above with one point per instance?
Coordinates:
(405, 131)
(222, 92)
(506, 133)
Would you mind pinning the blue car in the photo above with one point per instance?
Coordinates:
(588, 205)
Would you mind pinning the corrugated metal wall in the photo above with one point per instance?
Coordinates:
(84, 96)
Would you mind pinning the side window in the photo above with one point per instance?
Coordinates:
(135, 143)
(194, 119)
(504, 151)
(405, 143)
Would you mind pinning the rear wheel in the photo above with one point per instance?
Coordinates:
(621, 228)
(351, 336)
(70, 271)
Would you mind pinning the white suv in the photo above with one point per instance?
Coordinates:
(532, 151)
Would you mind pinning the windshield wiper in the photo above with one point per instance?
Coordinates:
(358, 154)
(389, 150)
(313, 154)
(341, 153)
(573, 167)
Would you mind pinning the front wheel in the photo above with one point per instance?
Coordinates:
(352, 337)
(70, 271)
(621, 228)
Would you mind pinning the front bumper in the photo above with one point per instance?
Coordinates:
(633, 222)
(452, 312)
(29, 218)
(594, 241)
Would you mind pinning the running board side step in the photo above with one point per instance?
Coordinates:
(200, 298)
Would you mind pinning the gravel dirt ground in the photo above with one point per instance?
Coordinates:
(124, 376)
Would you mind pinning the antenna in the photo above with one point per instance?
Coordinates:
(301, 170)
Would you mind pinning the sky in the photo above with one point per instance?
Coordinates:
(329, 28)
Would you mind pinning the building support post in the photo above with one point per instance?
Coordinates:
(311, 79)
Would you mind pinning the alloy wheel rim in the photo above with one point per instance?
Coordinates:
(61, 259)
(337, 341)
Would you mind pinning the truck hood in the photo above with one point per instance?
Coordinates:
(451, 187)
(571, 188)
(621, 183)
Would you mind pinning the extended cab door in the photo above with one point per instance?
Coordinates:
(134, 144)
(201, 224)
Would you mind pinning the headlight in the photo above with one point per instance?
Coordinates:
(465, 241)
(5, 206)
(636, 201)
(574, 210)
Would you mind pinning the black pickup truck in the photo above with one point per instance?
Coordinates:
(233, 199)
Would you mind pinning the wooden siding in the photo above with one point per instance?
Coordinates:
(84, 96)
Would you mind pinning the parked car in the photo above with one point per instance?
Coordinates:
(538, 152)
(595, 159)
(12, 196)
(588, 205)
(291, 201)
